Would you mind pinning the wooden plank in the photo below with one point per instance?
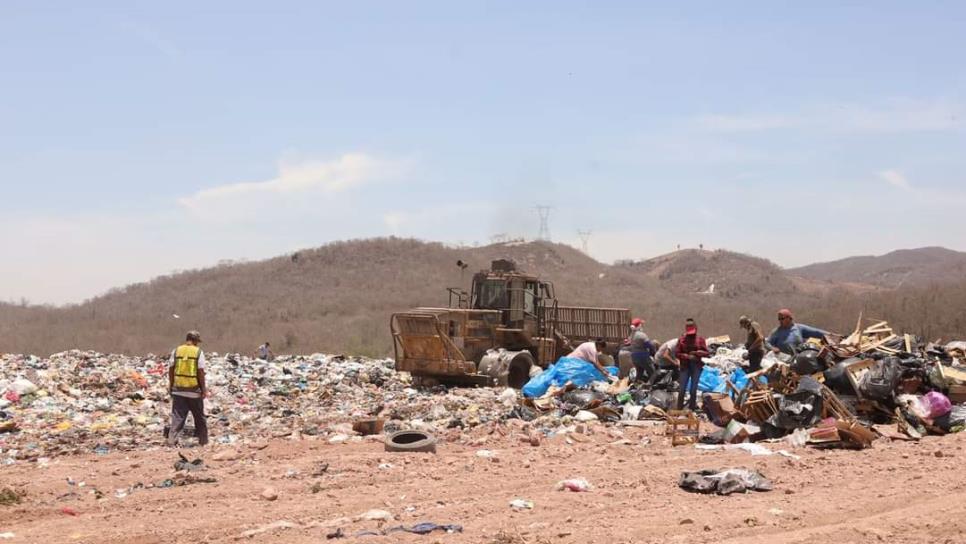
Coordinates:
(876, 344)
(908, 343)
(878, 325)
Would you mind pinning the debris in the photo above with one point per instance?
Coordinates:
(723, 482)
(752, 448)
(683, 427)
(369, 426)
(521, 504)
(184, 464)
(411, 441)
(426, 528)
(573, 484)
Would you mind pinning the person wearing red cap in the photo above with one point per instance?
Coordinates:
(691, 348)
(789, 336)
(642, 350)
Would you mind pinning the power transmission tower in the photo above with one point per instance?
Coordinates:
(584, 237)
(544, 212)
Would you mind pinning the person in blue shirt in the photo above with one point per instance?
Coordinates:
(789, 336)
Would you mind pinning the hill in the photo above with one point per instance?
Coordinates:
(339, 297)
(733, 275)
(912, 267)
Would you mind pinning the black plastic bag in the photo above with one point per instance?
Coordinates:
(880, 382)
(661, 399)
(837, 377)
(801, 409)
(807, 362)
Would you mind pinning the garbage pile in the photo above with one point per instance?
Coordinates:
(839, 392)
(83, 401)
(849, 392)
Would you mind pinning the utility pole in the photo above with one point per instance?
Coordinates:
(584, 238)
(544, 213)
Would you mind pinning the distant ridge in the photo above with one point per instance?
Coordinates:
(339, 297)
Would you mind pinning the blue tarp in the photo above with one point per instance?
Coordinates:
(711, 380)
(566, 369)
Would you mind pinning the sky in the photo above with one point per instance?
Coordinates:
(142, 138)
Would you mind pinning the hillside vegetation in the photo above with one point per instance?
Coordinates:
(913, 267)
(339, 297)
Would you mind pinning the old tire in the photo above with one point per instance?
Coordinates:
(411, 441)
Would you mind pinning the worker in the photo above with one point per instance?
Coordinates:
(789, 336)
(666, 360)
(186, 385)
(590, 352)
(264, 352)
(642, 350)
(691, 348)
(755, 343)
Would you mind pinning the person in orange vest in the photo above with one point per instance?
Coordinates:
(186, 384)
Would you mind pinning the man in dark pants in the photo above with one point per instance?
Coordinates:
(755, 343)
(691, 348)
(186, 384)
(642, 350)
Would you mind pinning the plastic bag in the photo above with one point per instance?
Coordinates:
(567, 369)
(739, 378)
(573, 484)
(937, 403)
(807, 363)
(880, 381)
(711, 381)
(954, 421)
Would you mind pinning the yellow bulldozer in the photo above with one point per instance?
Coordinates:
(498, 331)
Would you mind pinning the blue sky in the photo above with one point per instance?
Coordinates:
(141, 138)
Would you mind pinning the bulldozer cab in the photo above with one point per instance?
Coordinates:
(520, 298)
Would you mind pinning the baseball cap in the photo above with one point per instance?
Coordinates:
(636, 322)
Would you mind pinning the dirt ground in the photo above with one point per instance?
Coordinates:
(893, 492)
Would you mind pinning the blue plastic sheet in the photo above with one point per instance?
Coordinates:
(739, 379)
(711, 380)
(566, 369)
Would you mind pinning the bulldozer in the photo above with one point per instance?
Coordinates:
(504, 328)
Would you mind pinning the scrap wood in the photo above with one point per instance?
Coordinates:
(887, 431)
(834, 406)
(855, 432)
(876, 344)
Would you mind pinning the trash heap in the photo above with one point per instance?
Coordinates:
(847, 393)
(840, 392)
(83, 401)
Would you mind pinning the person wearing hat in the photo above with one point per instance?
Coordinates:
(789, 336)
(642, 350)
(186, 384)
(691, 348)
(755, 343)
